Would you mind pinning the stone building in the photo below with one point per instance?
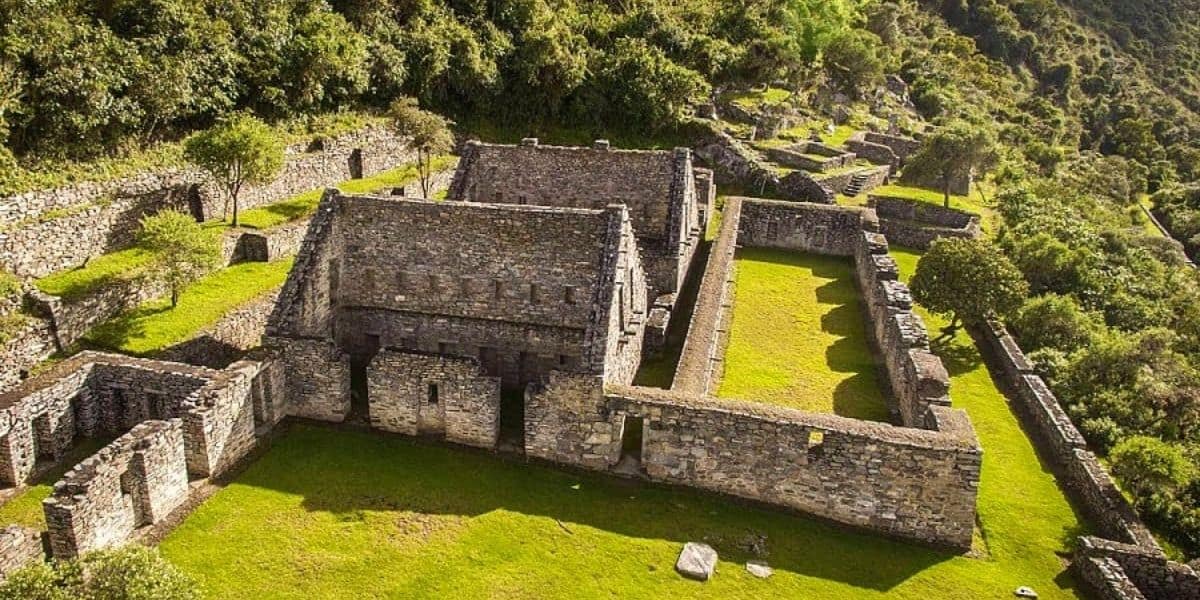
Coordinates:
(668, 198)
(425, 312)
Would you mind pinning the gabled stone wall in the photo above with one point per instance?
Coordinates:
(657, 187)
(135, 481)
(418, 394)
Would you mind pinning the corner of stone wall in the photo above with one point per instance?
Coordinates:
(567, 421)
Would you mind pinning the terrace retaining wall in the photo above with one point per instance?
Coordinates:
(916, 224)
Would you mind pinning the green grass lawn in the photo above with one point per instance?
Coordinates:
(798, 336)
(301, 206)
(155, 326)
(25, 508)
(967, 203)
(100, 270)
(755, 98)
(329, 513)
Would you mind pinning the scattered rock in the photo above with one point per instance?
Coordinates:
(696, 561)
(759, 569)
(1025, 592)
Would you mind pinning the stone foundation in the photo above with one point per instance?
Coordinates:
(915, 224)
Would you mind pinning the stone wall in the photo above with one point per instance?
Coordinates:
(50, 230)
(872, 177)
(657, 187)
(876, 153)
(702, 358)
(916, 224)
(910, 483)
(803, 227)
(317, 377)
(135, 481)
(418, 394)
(19, 546)
(27, 347)
(227, 340)
(902, 147)
(811, 156)
(1129, 564)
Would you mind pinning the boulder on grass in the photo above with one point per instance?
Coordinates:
(696, 561)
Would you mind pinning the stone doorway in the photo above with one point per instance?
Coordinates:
(632, 439)
(360, 402)
(356, 164)
(512, 420)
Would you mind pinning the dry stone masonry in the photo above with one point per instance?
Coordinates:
(521, 308)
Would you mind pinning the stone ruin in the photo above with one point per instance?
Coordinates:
(514, 317)
(668, 199)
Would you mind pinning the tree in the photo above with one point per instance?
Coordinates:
(129, 573)
(954, 150)
(183, 249)
(855, 60)
(237, 151)
(428, 134)
(1148, 465)
(969, 279)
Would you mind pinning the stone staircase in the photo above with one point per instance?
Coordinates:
(855, 187)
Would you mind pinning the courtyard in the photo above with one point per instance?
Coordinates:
(798, 336)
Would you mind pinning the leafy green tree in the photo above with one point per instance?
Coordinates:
(183, 249)
(968, 279)
(956, 149)
(428, 134)
(1148, 465)
(129, 573)
(644, 87)
(855, 60)
(239, 150)
(1054, 321)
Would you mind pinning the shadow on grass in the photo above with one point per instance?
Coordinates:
(350, 473)
(958, 353)
(115, 333)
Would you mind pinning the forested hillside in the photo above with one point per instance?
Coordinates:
(1095, 105)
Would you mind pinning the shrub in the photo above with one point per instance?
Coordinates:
(129, 573)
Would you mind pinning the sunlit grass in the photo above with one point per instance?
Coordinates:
(155, 325)
(798, 336)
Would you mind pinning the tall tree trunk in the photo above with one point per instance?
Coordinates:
(945, 191)
(423, 164)
(174, 295)
(235, 211)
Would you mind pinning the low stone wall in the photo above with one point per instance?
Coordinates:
(417, 394)
(902, 147)
(1129, 565)
(1122, 571)
(875, 177)
(916, 224)
(811, 156)
(911, 483)
(1048, 424)
(803, 227)
(24, 350)
(227, 340)
(734, 163)
(701, 360)
(135, 481)
(19, 546)
(876, 153)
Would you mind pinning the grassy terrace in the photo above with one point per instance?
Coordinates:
(155, 326)
(798, 337)
(122, 265)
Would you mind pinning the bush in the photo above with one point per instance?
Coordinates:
(129, 573)
(1057, 322)
(1151, 466)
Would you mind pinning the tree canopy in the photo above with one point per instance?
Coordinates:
(968, 279)
(237, 151)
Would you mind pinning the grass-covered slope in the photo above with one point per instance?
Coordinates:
(798, 336)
